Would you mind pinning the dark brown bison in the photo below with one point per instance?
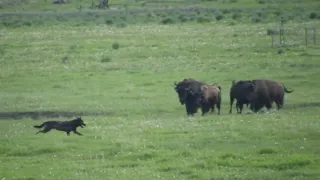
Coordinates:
(188, 96)
(240, 91)
(265, 93)
(209, 98)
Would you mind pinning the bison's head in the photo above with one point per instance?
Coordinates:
(255, 104)
(183, 91)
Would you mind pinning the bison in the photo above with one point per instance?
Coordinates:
(265, 93)
(240, 91)
(209, 98)
(188, 96)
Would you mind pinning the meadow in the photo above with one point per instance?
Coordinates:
(119, 78)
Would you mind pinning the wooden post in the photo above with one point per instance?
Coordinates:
(281, 31)
(306, 36)
(280, 36)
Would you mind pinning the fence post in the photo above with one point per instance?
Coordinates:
(280, 36)
(281, 31)
(272, 40)
(306, 36)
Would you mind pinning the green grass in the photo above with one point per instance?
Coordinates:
(120, 79)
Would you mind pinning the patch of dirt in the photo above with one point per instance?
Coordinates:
(48, 114)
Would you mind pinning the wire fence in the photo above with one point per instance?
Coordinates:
(294, 36)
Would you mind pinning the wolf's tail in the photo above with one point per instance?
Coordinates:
(39, 126)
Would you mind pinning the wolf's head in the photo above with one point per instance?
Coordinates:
(79, 122)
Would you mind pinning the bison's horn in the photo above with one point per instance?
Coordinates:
(175, 83)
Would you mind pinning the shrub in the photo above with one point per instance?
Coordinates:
(167, 21)
(219, 17)
(232, 23)
(115, 45)
(27, 23)
(109, 22)
(64, 59)
(261, 1)
(277, 13)
(280, 51)
(313, 15)
(182, 18)
(256, 19)
(225, 11)
(236, 16)
(121, 25)
(271, 32)
(203, 19)
(266, 151)
(105, 59)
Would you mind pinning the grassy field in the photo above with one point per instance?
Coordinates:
(120, 80)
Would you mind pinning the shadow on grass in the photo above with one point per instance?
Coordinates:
(48, 114)
(304, 105)
(24, 152)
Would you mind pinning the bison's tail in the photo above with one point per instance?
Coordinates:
(286, 90)
(39, 126)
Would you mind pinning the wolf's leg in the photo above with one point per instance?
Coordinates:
(44, 131)
(76, 132)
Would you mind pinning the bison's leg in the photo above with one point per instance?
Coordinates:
(279, 102)
(190, 108)
(255, 106)
(268, 105)
(219, 107)
(187, 109)
(231, 103)
(237, 106)
(240, 108)
(205, 108)
(212, 108)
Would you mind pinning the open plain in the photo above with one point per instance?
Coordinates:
(118, 74)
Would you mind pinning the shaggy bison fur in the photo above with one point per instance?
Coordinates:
(188, 96)
(240, 91)
(209, 98)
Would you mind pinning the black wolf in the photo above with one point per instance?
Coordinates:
(66, 126)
